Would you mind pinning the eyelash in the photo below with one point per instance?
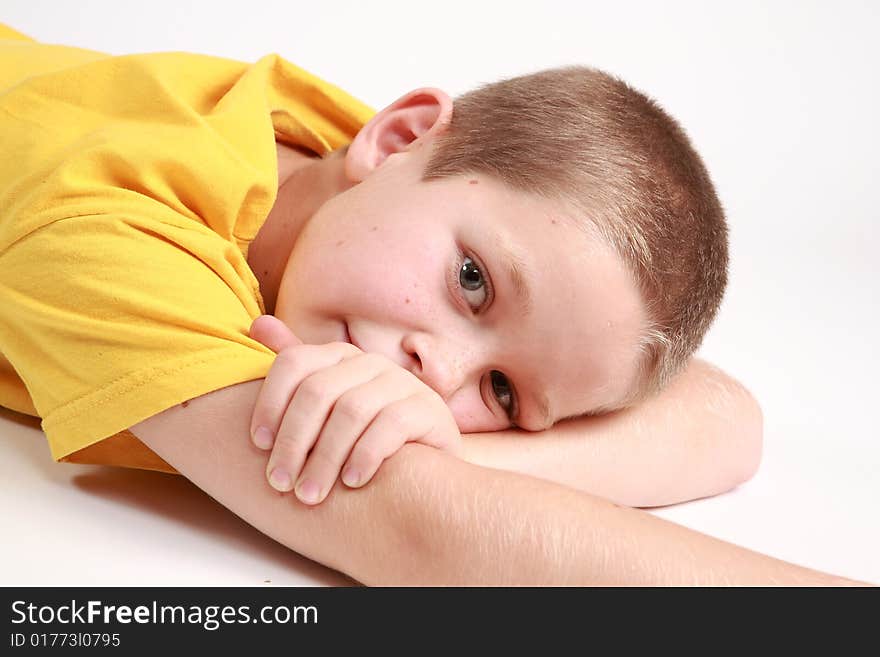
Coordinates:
(490, 297)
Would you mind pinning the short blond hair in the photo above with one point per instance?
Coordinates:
(584, 137)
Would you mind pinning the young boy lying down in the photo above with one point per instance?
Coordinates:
(464, 294)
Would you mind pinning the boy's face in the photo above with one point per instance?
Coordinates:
(421, 273)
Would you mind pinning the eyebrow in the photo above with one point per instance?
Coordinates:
(519, 273)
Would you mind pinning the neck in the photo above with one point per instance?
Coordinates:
(305, 184)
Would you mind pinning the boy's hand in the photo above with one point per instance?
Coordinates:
(346, 406)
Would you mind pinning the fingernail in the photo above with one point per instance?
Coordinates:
(263, 438)
(308, 491)
(280, 480)
(351, 477)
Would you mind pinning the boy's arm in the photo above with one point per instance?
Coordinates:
(428, 517)
(699, 437)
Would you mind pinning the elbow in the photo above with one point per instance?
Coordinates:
(749, 431)
(740, 428)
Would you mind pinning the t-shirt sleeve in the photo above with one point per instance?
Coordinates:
(111, 319)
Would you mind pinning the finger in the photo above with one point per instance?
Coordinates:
(288, 369)
(308, 410)
(273, 333)
(407, 419)
(350, 416)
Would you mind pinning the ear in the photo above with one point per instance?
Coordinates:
(408, 122)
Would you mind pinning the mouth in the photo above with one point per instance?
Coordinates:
(348, 337)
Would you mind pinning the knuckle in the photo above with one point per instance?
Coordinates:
(288, 367)
(288, 357)
(344, 348)
(297, 355)
(322, 460)
(366, 454)
(288, 446)
(395, 415)
(354, 407)
(313, 391)
(268, 413)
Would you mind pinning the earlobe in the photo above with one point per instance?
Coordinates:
(408, 123)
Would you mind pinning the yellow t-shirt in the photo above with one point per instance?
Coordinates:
(130, 189)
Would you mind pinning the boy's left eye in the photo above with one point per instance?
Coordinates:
(471, 278)
(502, 391)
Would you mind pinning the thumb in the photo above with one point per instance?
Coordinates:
(273, 333)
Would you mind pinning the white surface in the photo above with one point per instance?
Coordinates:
(783, 108)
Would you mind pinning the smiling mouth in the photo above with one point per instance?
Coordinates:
(348, 337)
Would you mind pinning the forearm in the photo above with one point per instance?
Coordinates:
(430, 518)
(699, 437)
(475, 526)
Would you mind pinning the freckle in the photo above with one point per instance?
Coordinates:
(554, 221)
(473, 182)
(407, 299)
(373, 228)
(266, 272)
(340, 242)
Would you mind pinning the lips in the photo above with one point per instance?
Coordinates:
(348, 337)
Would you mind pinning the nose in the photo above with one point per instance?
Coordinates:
(437, 362)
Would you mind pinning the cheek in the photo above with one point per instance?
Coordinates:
(395, 272)
(396, 291)
(376, 274)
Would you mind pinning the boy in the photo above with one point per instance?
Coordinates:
(466, 338)
(151, 216)
(434, 296)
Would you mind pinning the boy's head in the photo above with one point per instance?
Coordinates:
(566, 183)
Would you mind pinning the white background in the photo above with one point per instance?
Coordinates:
(781, 99)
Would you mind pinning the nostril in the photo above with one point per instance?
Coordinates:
(410, 347)
(417, 362)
